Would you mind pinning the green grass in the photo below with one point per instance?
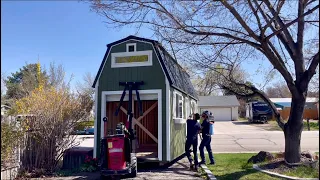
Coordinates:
(314, 126)
(234, 166)
(303, 172)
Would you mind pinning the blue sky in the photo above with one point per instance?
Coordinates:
(64, 32)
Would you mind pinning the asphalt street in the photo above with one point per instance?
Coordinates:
(237, 138)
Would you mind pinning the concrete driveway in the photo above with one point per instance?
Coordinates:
(231, 127)
(237, 137)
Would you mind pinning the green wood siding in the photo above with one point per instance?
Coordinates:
(178, 131)
(152, 76)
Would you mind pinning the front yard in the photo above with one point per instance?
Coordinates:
(273, 126)
(234, 166)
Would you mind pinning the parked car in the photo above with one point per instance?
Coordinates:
(89, 131)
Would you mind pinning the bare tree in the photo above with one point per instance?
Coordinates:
(275, 31)
(86, 85)
(278, 90)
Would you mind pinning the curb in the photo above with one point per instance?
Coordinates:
(256, 167)
(209, 174)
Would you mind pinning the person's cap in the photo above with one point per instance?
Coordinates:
(207, 113)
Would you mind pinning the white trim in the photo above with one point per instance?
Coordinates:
(132, 64)
(175, 108)
(187, 111)
(131, 44)
(195, 110)
(103, 113)
(95, 121)
(168, 120)
(104, 95)
(154, 50)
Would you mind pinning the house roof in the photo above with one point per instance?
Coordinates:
(177, 77)
(218, 101)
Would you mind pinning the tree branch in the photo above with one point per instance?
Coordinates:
(285, 31)
(261, 94)
(285, 26)
(240, 20)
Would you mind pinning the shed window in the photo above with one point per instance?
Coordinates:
(179, 106)
(131, 47)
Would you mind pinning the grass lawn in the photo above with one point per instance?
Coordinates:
(314, 126)
(234, 166)
(273, 125)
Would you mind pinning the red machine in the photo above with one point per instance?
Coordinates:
(116, 149)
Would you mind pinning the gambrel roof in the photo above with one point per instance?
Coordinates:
(177, 77)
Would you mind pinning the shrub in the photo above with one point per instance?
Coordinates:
(55, 112)
(10, 138)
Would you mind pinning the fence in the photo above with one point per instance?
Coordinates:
(10, 168)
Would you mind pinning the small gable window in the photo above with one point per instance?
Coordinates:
(131, 47)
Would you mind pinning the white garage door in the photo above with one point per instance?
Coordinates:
(221, 114)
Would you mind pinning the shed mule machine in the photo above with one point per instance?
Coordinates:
(117, 157)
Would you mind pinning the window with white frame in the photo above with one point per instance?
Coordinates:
(131, 47)
(179, 106)
(187, 105)
(131, 58)
(193, 107)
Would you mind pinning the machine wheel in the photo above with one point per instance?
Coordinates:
(134, 166)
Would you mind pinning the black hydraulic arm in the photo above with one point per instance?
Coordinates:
(121, 101)
(130, 86)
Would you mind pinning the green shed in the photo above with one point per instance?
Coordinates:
(167, 97)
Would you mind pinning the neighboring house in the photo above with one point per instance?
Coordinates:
(223, 108)
(167, 96)
(284, 107)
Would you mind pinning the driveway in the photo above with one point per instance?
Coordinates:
(231, 127)
(237, 137)
(177, 171)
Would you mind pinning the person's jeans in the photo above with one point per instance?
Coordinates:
(206, 143)
(194, 144)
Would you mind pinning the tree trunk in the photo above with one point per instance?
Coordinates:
(293, 129)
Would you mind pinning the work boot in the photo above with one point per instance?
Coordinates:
(201, 162)
(192, 165)
(212, 163)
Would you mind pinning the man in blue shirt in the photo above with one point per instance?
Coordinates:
(206, 138)
(193, 129)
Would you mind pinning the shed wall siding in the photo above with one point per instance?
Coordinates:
(152, 76)
(177, 131)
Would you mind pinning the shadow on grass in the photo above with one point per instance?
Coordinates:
(235, 175)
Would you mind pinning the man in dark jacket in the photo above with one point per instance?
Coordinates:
(193, 129)
(206, 138)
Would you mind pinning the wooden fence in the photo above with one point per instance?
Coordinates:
(308, 113)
